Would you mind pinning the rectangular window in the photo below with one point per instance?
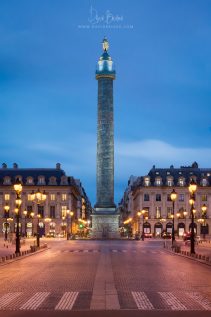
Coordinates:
(169, 183)
(158, 182)
(158, 197)
(41, 180)
(158, 212)
(64, 197)
(7, 197)
(52, 212)
(168, 197)
(29, 197)
(146, 197)
(53, 196)
(181, 197)
(40, 211)
(29, 211)
(204, 197)
(64, 211)
(7, 181)
(169, 212)
(6, 214)
(146, 214)
(147, 182)
(181, 182)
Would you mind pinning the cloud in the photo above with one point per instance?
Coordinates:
(135, 156)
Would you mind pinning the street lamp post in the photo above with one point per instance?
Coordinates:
(192, 189)
(142, 212)
(139, 213)
(38, 228)
(6, 209)
(69, 224)
(18, 189)
(204, 216)
(38, 198)
(32, 217)
(25, 214)
(173, 196)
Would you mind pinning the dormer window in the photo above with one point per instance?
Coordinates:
(169, 181)
(157, 173)
(158, 182)
(64, 180)
(18, 177)
(181, 182)
(147, 181)
(41, 180)
(7, 180)
(52, 180)
(204, 182)
(30, 180)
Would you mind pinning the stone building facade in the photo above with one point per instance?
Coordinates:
(151, 193)
(63, 194)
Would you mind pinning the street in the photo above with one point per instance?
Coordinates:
(79, 278)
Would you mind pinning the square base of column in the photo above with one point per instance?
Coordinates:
(105, 226)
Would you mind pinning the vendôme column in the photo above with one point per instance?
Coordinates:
(105, 221)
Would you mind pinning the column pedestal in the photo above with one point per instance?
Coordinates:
(105, 225)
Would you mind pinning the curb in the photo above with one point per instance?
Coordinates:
(23, 254)
(186, 254)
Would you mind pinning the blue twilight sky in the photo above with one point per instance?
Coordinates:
(48, 92)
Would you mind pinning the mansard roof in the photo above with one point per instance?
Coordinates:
(185, 172)
(35, 173)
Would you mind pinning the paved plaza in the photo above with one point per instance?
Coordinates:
(81, 277)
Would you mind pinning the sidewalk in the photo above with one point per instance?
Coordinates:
(182, 248)
(8, 248)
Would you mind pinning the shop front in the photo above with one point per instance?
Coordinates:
(147, 230)
(158, 229)
(169, 226)
(181, 229)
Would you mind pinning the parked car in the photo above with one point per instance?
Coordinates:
(187, 236)
(166, 235)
